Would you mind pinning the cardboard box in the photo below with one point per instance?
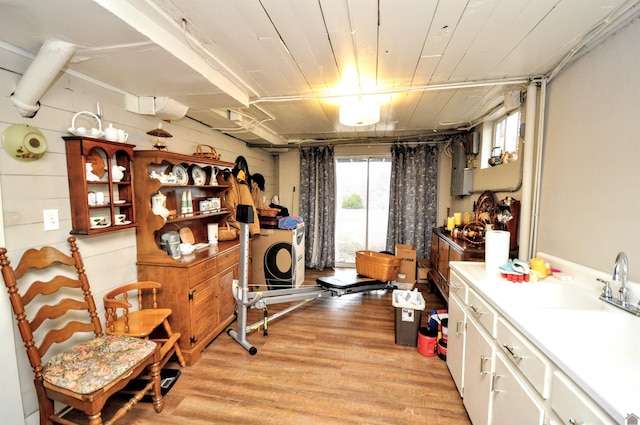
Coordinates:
(424, 265)
(278, 258)
(407, 272)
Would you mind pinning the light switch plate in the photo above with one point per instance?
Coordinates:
(51, 220)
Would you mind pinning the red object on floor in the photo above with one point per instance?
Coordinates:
(427, 342)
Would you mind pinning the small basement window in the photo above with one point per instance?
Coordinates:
(506, 138)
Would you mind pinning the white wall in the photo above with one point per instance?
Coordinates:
(28, 188)
(591, 173)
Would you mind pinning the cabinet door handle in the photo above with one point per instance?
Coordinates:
(453, 286)
(459, 324)
(482, 359)
(475, 310)
(494, 377)
(513, 354)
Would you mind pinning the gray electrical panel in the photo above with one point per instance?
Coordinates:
(461, 177)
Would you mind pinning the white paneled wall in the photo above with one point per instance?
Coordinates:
(29, 187)
(591, 173)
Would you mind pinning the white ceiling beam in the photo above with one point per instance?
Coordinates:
(153, 24)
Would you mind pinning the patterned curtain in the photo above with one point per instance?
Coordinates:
(413, 201)
(317, 206)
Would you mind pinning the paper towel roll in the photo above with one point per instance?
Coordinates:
(496, 250)
(212, 233)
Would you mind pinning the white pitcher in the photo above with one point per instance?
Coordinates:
(117, 172)
(159, 205)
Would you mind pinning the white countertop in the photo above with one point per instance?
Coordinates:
(595, 344)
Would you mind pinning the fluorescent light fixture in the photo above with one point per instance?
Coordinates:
(359, 113)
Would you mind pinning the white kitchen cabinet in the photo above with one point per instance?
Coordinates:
(506, 377)
(479, 355)
(571, 404)
(456, 341)
(512, 402)
(524, 357)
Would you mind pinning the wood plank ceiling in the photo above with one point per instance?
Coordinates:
(270, 71)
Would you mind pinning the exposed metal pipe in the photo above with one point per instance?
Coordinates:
(535, 217)
(527, 171)
(398, 90)
(429, 138)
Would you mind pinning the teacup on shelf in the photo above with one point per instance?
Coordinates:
(98, 221)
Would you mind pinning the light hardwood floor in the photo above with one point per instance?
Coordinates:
(333, 361)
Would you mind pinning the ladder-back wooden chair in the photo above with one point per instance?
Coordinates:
(52, 302)
(149, 323)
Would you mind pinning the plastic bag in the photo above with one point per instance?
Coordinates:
(290, 222)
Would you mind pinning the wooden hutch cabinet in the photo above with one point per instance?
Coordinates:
(445, 249)
(197, 286)
(97, 197)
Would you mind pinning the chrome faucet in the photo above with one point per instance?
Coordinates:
(620, 274)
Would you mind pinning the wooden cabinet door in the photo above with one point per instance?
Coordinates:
(443, 259)
(478, 368)
(204, 309)
(443, 267)
(225, 299)
(456, 341)
(433, 257)
(453, 256)
(512, 401)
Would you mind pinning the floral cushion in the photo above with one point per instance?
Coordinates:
(88, 367)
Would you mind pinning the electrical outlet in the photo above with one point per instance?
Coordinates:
(51, 221)
(475, 163)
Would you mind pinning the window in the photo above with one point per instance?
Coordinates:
(362, 206)
(506, 134)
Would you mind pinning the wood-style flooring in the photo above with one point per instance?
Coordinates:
(333, 361)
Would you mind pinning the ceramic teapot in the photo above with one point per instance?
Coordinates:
(117, 172)
(111, 133)
(122, 135)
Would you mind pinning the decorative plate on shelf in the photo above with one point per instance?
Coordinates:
(199, 175)
(97, 163)
(182, 177)
(486, 206)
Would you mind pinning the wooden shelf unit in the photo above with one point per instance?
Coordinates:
(197, 287)
(445, 249)
(103, 155)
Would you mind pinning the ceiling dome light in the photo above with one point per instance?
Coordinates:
(359, 113)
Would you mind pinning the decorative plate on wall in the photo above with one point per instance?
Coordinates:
(24, 143)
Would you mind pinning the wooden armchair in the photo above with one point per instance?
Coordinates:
(145, 322)
(87, 374)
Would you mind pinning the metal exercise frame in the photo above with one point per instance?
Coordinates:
(260, 299)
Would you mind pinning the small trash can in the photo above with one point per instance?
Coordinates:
(408, 313)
